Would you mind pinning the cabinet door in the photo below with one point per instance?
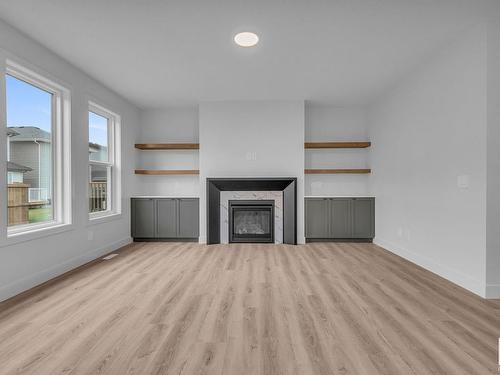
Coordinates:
(316, 218)
(189, 218)
(340, 218)
(363, 217)
(166, 218)
(143, 218)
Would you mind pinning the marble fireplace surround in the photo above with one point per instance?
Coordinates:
(276, 196)
(286, 187)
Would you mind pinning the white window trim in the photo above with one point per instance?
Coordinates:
(61, 153)
(114, 160)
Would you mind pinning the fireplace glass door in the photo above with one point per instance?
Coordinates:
(251, 221)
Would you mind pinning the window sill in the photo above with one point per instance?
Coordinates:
(16, 237)
(101, 219)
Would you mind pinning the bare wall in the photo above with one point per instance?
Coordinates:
(493, 163)
(429, 163)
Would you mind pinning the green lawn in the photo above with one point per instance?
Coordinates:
(37, 215)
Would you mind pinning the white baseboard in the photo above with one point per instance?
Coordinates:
(19, 286)
(449, 274)
(493, 291)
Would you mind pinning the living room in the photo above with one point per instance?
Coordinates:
(250, 188)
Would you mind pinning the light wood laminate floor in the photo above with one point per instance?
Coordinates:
(172, 308)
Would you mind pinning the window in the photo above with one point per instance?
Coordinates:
(38, 157)
(104, 194)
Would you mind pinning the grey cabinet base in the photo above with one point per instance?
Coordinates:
(165, 219)
(362, 240)
(340, 219)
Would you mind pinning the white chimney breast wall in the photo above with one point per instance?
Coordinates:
(252, 139)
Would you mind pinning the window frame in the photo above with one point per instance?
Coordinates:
(61, 150)
(113, 191)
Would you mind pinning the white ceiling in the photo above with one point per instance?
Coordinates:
(158, 53)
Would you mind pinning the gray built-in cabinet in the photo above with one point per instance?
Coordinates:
(340, 218)
(165, 218)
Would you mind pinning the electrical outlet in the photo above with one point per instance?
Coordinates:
(90, 235)
(251, 155)
(463, 181)
(400, 232)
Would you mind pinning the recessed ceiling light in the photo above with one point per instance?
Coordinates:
(246, 39)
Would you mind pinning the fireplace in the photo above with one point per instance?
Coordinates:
(251, 221)
(287, 185)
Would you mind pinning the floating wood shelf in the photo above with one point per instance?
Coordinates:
(167, 146)
(337, 171)
(167, 171)
(309, 145)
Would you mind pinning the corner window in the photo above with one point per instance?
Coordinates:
(38, 159)
(104, 180)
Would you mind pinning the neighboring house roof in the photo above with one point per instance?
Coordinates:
(94, 147)
(29, 133)
(11, 132)
(14, 167)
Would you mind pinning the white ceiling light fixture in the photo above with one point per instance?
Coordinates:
(246, 39)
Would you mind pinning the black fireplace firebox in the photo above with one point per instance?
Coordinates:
(251, 221)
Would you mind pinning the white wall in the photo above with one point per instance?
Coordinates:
(493, 163)
(425, 133)
(169, 125)
(231, 132)
(329, 123)
(26, 264)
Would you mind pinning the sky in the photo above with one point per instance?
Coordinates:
(28, 105)
(98, 129)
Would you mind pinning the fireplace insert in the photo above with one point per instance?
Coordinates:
(251, 221)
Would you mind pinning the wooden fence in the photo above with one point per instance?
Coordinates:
(17, 204)
(98, 197)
